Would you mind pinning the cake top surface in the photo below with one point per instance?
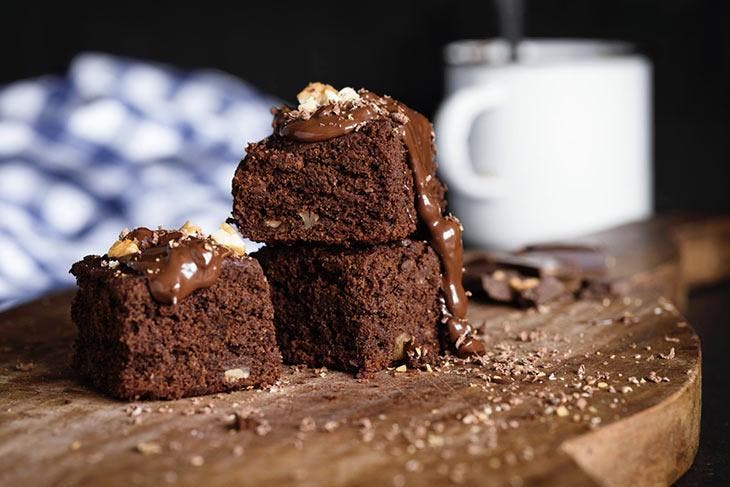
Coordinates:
(175, 262)
(324, 112)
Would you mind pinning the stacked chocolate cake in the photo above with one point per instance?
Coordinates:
(364, 267)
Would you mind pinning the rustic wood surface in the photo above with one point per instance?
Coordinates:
(568, 395)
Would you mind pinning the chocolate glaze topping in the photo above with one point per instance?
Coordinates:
(324, 124)
(333, 121)
(175, 264)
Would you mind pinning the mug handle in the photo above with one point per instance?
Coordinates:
(453, 121)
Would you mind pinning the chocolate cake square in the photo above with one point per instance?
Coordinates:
(356, 188)
(358, 309)
(133, 343)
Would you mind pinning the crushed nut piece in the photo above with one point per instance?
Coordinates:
(234, 375)
(272, 223)
(122, 248)
(309, 218)
(190, 228)
(348, 95)
(227, 237)
(319, 92)
(316, 95)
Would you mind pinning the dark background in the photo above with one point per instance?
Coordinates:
(395, 47)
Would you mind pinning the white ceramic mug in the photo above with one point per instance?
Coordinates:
(555, 145)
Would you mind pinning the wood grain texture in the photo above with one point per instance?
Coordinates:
(567, 396)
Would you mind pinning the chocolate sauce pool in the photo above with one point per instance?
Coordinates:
(445, 231)
(174, 266)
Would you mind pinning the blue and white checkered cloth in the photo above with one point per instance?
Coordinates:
(116, 143)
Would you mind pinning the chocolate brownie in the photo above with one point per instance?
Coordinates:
(168, 314)
(357, 309)
(354, 188)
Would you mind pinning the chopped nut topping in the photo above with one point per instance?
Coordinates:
(121, 248)
(317, 95)
(317, 91)
(190, 228)
(347, 94)
(227, 237)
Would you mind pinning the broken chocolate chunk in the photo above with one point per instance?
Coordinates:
(496, 288)
(600, 288)
(573, 259)
(539, 274)
(547, 290)
(500, 282)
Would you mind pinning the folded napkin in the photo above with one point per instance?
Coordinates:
(115, 143)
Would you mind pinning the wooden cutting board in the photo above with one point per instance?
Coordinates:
(569, 395)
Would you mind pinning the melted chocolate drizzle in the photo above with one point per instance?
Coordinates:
(175, 265)
(324, 124)
(445, 231)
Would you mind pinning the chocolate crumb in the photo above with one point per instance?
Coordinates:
(24, 366)
(148, 448)
(263, 428)
(307, 424)
(245, 422)
(653, 377)
(669, 355)
(196, 460)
